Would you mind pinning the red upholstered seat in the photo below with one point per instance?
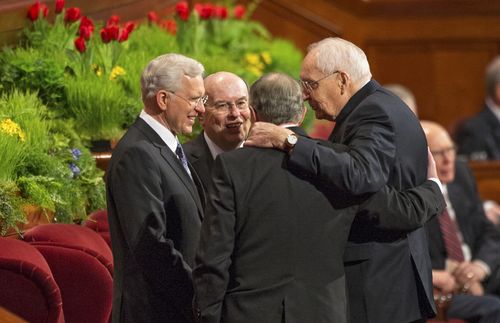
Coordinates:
(82, 265)
(98, 221)
(28, 288)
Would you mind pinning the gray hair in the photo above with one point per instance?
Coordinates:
(337, 54)
(492, 77)
(165, 72)
(277, 98)
(404, 94)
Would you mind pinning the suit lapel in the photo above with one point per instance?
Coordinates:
(171, 159)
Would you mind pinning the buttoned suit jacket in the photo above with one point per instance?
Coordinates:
(479, 137)
(155, 216)
(478, 233)
(386, 146)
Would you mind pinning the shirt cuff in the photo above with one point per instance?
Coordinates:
(438, 182)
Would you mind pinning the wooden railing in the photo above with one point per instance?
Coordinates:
(487, 175)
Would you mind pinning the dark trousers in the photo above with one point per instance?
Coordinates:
(480, 309)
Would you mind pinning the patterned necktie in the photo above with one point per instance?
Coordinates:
(451, 240)
(180, 153)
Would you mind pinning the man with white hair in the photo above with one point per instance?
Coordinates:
(388, 272)
(154, 208)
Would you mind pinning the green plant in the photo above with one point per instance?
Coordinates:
(10, 207)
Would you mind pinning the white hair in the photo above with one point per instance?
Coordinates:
(165, 72)
(336, 54)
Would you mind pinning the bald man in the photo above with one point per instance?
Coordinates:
(226, 122)
(480, 241)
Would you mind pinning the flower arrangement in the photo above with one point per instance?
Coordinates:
(75, 80)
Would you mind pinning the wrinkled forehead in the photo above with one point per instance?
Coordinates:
(228, 91)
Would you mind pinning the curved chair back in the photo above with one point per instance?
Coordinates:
(82, 265)
(29, 289)
(98, 221)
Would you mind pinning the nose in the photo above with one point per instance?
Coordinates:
(199, 107)
(233, 110)
(305, 95)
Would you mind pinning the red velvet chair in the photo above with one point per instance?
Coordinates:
(28, 288)
(82, 265)
(98, 221)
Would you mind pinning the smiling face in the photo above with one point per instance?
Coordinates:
(184, 105)
(442, 149)
(226, 120)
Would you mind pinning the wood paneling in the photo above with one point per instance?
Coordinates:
(488, 179)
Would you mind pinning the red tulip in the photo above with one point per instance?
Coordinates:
(113, 21)
(123, 35)
(130, 26)
(59, 6)
(72, 14)
(182, 10)
(34, 10)
(86, 22)
(152, 16)
(104, 36)
(205, 11)
(221, 12)
(110, 33)
(80, 44)
(170, 25)
(85, 32)
(239, 11)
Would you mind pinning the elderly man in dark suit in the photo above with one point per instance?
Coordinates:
(225, 122)
(479, 137)
(272, 242)
(154, 208)
(464, 253)
(386, 146)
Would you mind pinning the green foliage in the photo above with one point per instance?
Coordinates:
(10, 207)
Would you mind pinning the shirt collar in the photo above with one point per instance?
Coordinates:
(493, 107)
(214, 149)
(165, 134)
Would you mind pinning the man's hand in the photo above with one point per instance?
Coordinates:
(267, 135)
(492, 211)
(469, 273)
(444, 281)
(431, 165)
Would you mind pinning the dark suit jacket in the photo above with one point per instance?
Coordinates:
(386, 146)
(479, 137)
(271, 244)
(200, 157)
(478, 233)
(155, 217)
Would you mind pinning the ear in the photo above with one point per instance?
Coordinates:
(303, 115)
(162, 98)
(253, 115)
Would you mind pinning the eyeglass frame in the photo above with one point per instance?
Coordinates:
(310, 86)
(228, 105)
(444, 152)
(202, 99)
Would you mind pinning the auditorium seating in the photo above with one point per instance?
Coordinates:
(28, 288)
(82, 265)
(98, 221)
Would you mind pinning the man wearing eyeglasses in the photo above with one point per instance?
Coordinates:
(388, 272)
(226, 122)
(469, 270)
(154, 206)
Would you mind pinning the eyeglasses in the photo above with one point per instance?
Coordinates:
(225, 106)
(193, 102)
(444, 152)
(313, 85)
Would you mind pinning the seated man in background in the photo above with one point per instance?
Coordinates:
(479, 137)
(225, 122)
(463, 244)
(272, 243)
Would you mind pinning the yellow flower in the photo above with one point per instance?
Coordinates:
(10, 128)
(252, 59)
(255, 71)
(97, 69)
(116, 71)
(266, 57)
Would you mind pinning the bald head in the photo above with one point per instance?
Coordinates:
(442, 148)
(226, 120)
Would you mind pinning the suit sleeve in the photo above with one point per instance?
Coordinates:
(364, 167)
(138, 197)
(406, 210)
(211, 274)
